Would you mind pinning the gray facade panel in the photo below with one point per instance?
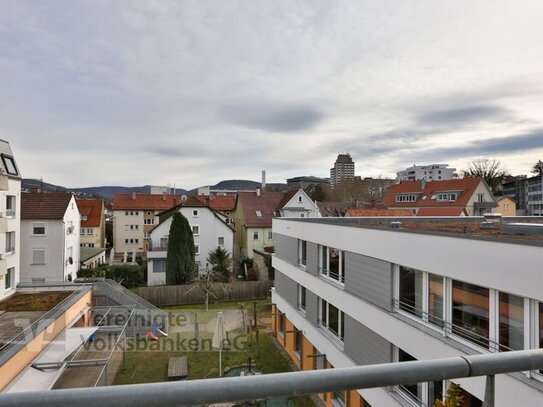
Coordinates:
(286, 248)
(311, 307)
(363, 345)
(369, 279)
(286, 288)
(312, 261)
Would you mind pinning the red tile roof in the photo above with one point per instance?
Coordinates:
(93, 209)
(333, 209)
(379, 212)
(437, 211)
(44, 205)
(219, 202)
(145, 201)
(267, 203)
(467, 186)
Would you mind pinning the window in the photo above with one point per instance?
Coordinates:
(164, 243)
(470, 312)
(10, 278)
(406, 197)
(126, 213)
(220, 241)
(332, 319)
(255, 235)
(447, 196)
(149, 221)
(301, 297)
(11, 207)
(435, 300)
(196, 249)
(258, 214)
(9, 165)
(136, 241)
(300, 199)
(131, 213)
(10, 242)
(38, 256)
(338, 398)
(411, 291)
(159, 265)
(332, 263)
(412, 391)
(83, 217)
(302, 215)
(126, 241)
(511, 323)
(282, 324)
(38, 229)
(302, 252)
(270, 235)
(196, 230)
(298, 343)
(195, 213)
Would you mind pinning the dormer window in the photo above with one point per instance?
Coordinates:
(258, 214)
(83, 217)
(447, 196)
(406, 197)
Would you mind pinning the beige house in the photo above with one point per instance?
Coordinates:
(506, 206)
(93, 222)
(134, 215)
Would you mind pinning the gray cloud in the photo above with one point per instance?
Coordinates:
(275, 117)
(463, 115)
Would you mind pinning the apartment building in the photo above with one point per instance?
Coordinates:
(534, 196)
(93, 222)
(210, 229)
(432, 172)
(10, 220)
(343, 171)
(353, 291)
(50, 223)
(134, 215)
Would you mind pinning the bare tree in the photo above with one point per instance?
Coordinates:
(490, 169)
(210, 283)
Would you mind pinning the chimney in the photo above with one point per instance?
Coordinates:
(423, 183)
(263, 180)
(257, 191)
(164, 196)
(133, 196)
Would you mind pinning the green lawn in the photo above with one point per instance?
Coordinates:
(148, 366)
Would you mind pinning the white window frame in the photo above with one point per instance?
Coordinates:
(301, 262)
(219, 243)
(302, 307)
(324, 325)
(195, 213)
(10, 275)
(196, 249)
(39, 225)
(325, 271)
(256, 235)
(198, 230)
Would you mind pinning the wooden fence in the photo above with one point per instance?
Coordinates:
(190, 294)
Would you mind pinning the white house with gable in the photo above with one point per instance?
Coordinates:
(209, 228)
(297, 204)
(50, 239)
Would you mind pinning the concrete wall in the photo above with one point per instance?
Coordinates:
(121, 231)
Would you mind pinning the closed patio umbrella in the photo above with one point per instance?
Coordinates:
(219, 337)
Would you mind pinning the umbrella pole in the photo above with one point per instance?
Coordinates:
(220, 361)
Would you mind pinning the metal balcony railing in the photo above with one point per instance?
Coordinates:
(198, 392)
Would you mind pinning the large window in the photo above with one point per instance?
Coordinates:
(332, 319)
(511, 325)
(411, 291)
(10, 242)
(38, 229)
(38, 256)
(332, 263)
(424, 393)
(470, 312)
(302, 252)
(301, 297)
(159, 265)
(11, 207)
(435, 300)
(9, 165)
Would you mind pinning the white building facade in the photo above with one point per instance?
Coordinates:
(10, 221)
(534, 195)
(432, 172)
(210, 230)
(361, 296)
(300, 205)
(50, 237)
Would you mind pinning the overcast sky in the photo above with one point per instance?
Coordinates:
(193, 92)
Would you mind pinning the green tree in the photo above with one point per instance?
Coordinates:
(180, 260)
(221, 263)
(537, 169)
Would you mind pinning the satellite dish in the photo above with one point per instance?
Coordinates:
(183, 198)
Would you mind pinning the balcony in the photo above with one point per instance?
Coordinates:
(484, 205)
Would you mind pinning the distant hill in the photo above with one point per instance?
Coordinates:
(107, 192)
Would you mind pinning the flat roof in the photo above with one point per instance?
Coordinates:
(516, 230)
